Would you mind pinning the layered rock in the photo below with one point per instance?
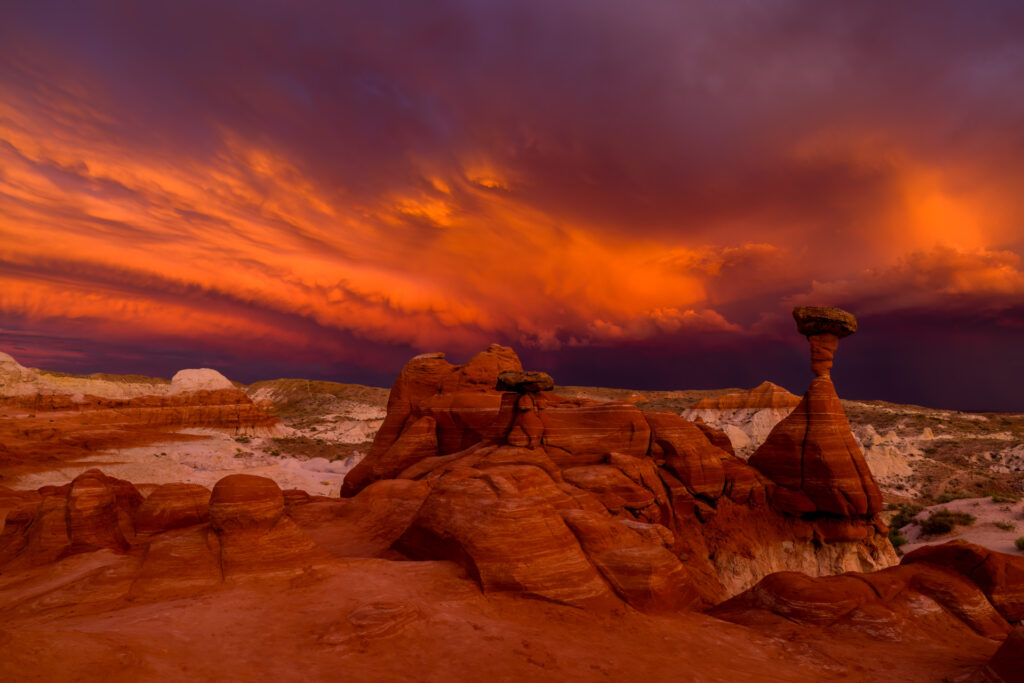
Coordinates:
(812, 455)
(192, 398)
(187, 536)
(909, 600)
(578, 501)
(999, 575)
(747, 417)
(92, 512)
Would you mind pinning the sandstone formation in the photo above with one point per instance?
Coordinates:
(747, 417)
(54, 416)
(583, 502)
(484, 481)
(812, 455)
(918, 601)
(999, 575)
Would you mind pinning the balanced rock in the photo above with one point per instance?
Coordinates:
(812, 454)
(813, 320)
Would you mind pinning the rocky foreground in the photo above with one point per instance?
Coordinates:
(498, 529)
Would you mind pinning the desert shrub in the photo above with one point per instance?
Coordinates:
(897, 539)
(904, 515)
(1004, 498)
(944, 521)
(1006, 526)
(1019, 543)
(948, 496)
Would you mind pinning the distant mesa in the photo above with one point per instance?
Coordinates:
(203, 379)
(764, 395)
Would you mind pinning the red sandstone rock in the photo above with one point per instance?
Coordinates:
(688, 454)
(506, 540)
(717, 437)
(461, 401)
(542, 454)
(99, 512)
(815, 460)
(173, 506)
(999, 575)
(1007, 664)
(905, 599)
(247, 512)
(637, 564)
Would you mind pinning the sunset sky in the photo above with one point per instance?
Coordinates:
(628, 193)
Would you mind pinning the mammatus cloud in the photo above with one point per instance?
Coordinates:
(355, 186)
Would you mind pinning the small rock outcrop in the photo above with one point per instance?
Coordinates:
(918, 600)
(812, 454)
(999, 575)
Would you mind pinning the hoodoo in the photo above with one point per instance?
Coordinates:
(812, 454)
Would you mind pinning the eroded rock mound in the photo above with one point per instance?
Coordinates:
(999, 575)
(92, 512)
(920, 600)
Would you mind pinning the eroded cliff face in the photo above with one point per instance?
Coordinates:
(580, 501)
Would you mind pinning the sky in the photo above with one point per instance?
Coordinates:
(629, 194)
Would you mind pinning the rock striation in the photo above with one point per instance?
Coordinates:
(587, 503)
(918, 600)
(812, 455)
(746, 417)
(54, 416)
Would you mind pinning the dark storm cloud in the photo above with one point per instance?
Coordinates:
(579, 178)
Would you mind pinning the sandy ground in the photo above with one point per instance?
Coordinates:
(203, 461)
(378, 620)
(983, 531)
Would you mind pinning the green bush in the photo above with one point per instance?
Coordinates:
(1004, 498)
(904, 515)
(944, 521)
(1006, 526)
(949, 496)
(1019, 543)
